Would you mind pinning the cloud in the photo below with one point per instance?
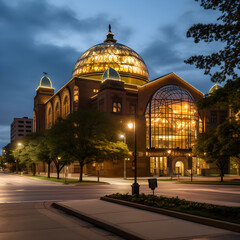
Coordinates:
(163, 54)
(167, 52)
(36, 37)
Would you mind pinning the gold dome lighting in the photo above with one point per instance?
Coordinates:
(123, 59)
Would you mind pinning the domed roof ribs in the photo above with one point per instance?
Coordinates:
(110, 36)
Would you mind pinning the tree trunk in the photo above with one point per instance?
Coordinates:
(58, 172)
(34, 169)
(49, 163)
(222, 174)
(81, 171)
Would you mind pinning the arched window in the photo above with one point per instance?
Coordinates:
(57, 111)
(171, 118)
(66, 107)
(49, 118)
(75, 97)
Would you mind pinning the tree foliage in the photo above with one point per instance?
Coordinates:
(109, 150)
(87, 136)
(8, 158)
(227, 31)
(229, 136)
(218, 145)
(24, 151)
(227, 97)
(57, 141)
(43, 151)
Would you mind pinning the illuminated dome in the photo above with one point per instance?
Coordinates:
(111, 74)
(123, 59)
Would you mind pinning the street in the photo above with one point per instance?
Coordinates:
(26, 212)
(17, 189)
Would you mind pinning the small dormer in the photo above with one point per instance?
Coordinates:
(45, 86)
(111, 79)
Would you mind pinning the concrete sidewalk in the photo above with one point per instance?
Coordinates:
(132, 223)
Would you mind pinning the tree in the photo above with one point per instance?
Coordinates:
(1, 161)
(227, 97)
(108, 150)
(229, 136)
(43, 151)
(86, 135)
(227, 30)
(208, 148)
(57, 144)
(220, 144)
(9, 158)
(25, 151)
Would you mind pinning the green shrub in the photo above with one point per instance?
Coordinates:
(231, 214)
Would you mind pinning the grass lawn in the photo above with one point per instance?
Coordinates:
(62, 180)
(230, 214)
(228, 182)
(165, 179)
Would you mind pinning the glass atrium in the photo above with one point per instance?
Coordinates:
(172, 119)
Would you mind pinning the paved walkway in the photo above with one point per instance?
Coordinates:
(143, 224)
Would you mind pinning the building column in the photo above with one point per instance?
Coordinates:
(169, 166)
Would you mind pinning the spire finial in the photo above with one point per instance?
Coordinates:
(110, 35)
(45, 73)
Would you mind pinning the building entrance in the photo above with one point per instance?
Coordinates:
(158, 166)
(179, 168)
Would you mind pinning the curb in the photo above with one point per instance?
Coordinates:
(193, 218)
(99, 223)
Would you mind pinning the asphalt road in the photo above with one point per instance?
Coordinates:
(25, 211)
(17, 189)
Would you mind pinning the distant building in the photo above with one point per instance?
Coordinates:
(20, 127)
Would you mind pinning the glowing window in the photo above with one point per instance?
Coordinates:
(75, 97)
(117, 107)
(172, 119)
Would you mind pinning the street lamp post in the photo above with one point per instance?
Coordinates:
(135, 185)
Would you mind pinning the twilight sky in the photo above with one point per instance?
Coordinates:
(50, 35)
